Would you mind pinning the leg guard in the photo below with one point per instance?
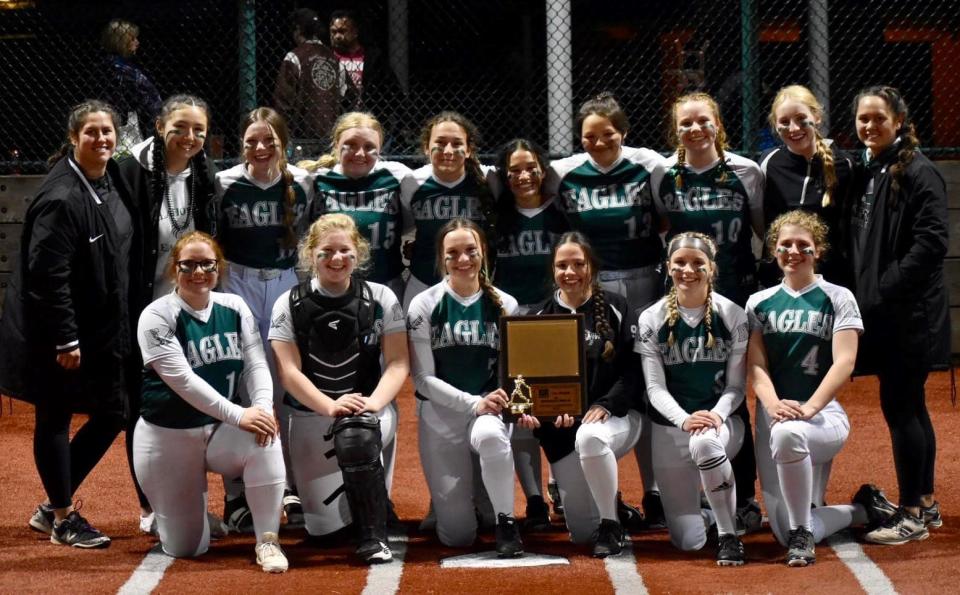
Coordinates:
(358, 444)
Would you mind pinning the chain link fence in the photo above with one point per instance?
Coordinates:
(517, 68)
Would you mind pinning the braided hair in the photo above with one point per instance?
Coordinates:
(706, 244)
(279, 128)
(200, 190)
(720, 143)
(488, 206)
(907, 132)
(601, 321)
(484, 276)
(804, 96)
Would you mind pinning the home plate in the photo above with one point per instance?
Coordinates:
(490, 560)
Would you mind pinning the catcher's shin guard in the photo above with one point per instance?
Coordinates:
(358, 443)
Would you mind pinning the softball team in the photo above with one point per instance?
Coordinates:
(343, 345)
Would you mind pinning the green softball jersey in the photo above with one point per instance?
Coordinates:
(433, 203)
(687, 376)
(194, 361)
(373, 202)
(523, 255)
(723, 201)
(798, 328)
(613, 206)
(251, 217)
(455, 343)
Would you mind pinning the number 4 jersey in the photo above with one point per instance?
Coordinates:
(798, 329)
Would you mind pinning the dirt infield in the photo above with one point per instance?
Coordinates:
(31, 564)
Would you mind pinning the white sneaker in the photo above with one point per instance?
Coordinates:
(148, 524)
(269, 555)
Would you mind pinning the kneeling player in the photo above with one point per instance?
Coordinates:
(328, 334)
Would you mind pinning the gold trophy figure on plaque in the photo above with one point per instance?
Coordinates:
(521, 401)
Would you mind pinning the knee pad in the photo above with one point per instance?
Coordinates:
(357, 440)
(705, 448)
(788, 443)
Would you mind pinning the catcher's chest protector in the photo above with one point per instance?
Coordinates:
(337, 339)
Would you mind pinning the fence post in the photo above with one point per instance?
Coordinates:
(247, 55)
(559, 77)
(818, 21)
(398, 13)
(748, 64)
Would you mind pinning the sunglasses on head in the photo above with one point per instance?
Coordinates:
(189, 266)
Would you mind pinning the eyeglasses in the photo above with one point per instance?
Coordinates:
(188, 267)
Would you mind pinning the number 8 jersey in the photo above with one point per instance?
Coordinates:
(798, 329)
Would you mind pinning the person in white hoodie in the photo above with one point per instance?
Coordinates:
(171, 181)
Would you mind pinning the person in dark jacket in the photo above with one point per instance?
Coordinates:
(898, 229)
(807, 173)
(583, 453)
(171, 182)
(66, 326)
(125, 85)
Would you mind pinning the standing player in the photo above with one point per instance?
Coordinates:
(452, 185)
(712, 191)
(606, 194)
(693, 343)
(263, 205)
(528, 226)
(807, 173)
(171, 180)
(199, 347)
(803, 344)
(899, 238)
(454, 352)
(328, 334)
(583, 454)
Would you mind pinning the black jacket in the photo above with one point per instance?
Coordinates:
(608, 384)
(899, 285)
(66, 293)
(792, 182)
(136, 176)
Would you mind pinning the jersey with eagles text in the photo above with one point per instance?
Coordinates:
(523, 257)
(251, 226)
(725, 202)
(373, 202)
(612, 206)
(797, 329)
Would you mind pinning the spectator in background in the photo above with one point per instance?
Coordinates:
(126, 87)
(311, 90)
(378, 90)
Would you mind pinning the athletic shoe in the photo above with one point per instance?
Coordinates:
(508, 537)
(554, 492)
(148, 524)
(75, 531)
(609, 539)
(373, 551)
(899, 528)
(800, 548)
(429, 522)
(730, 551)
(538, 515)
(630, 517)
(878, 508)
(931, 515)
(43, 517)
(653, 511)
(292, 509)
(749, 519)
(218, 530)
(269, 555)
(237, 516)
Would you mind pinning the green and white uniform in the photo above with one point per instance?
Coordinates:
(723, 201)
(794, 457)
(454, 354)
(195, 362)
(523, 255)
(373, 202)
(434, 203)
(681, 379)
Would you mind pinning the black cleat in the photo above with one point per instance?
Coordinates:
(730, 551)
(508, 537)
(609, 540)
(800, 548)
(653, 511)
(878, 508)
(538, 515)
